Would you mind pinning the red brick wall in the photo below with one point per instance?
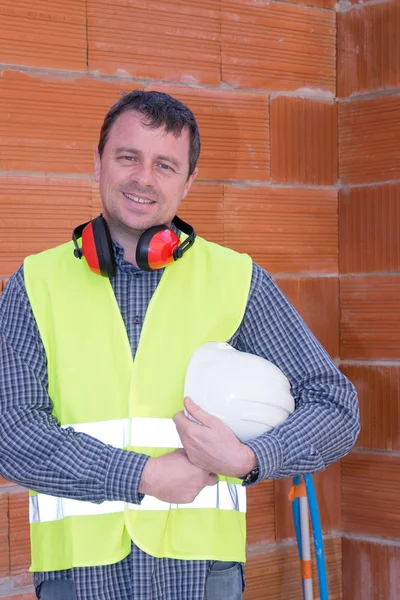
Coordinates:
(261, 77)
(369, 264)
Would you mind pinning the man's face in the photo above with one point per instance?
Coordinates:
(143, 174)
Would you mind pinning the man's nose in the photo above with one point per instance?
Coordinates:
(144, 175)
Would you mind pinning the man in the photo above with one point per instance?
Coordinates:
(90, 433)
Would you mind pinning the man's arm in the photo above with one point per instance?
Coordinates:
(325, 424)
(34, 450)
(323, 427)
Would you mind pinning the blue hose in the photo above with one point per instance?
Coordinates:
(316, 529)
(297, 526)
(317, 534)
(296, 517)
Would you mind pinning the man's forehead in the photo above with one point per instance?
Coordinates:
(135, 117)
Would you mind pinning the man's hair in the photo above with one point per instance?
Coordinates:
(159, 110)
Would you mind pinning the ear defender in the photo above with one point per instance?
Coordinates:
(96, 246)
(157, 247)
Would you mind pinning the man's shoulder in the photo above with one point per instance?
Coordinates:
(53, 251)
(14, 299)
(219, 249)
(49, 256)
(14, 284)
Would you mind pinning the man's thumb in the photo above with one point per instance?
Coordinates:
(197, 413)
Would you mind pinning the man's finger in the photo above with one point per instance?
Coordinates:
(179, 419)
(198, 413)
(212, 479)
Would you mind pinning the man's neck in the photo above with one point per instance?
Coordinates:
(127, 239)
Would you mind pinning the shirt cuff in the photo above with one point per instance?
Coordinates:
(123, 476)
(269, 456)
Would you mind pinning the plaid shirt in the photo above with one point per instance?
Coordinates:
(36, 453)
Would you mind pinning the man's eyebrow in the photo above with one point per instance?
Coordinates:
(128, 150)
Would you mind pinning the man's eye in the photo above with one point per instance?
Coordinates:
(165, 167)
(129, 158)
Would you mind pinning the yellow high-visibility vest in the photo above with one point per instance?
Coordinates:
(97, 388)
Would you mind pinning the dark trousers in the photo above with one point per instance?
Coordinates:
(59, 589)
(224, 582)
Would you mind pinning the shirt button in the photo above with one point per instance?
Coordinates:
(137, 275)
(136, 320)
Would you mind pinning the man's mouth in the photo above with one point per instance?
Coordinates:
(138, 199)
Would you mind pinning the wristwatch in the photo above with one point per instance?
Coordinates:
(252, 476)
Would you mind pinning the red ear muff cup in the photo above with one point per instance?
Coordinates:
(97, 248)
(89, 249)
(155, 248)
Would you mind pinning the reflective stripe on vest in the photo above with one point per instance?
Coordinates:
(225, 496)
(159, 433)
(145, 431)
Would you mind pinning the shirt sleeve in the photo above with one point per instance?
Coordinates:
(35, 451)
(325, 423)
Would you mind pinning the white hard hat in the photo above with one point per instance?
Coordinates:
(248, 393)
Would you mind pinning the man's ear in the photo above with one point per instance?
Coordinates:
(97, 163)
(189, 182)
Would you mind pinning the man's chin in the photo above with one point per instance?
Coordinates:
(138, 226)
(134, 223)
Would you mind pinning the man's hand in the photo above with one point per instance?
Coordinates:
(212, 446)
(173, 478)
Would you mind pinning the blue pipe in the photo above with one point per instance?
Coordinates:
(297, 526)
(316, 529)
(317, 534)
(296, 517)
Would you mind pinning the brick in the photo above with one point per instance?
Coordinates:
(23, 580)
(234, 129)
(19, 532)
(344, 5)
(41, 33)
(369, 132)
(4, 536)
(317, 301)
(203, 208)
(370, 317)
(369, 219)
(316, 3)
(369, 48)
(51, 124)
(303, 141)
(38, 213)
(371, 571)
(285, 230)
(26, 596)
(275, 574)
(378, 390)
(371, 488)
(260, 513)
(173, 40)
(328, 490)
(275, 46)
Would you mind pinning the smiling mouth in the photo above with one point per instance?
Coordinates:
(138, 199)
